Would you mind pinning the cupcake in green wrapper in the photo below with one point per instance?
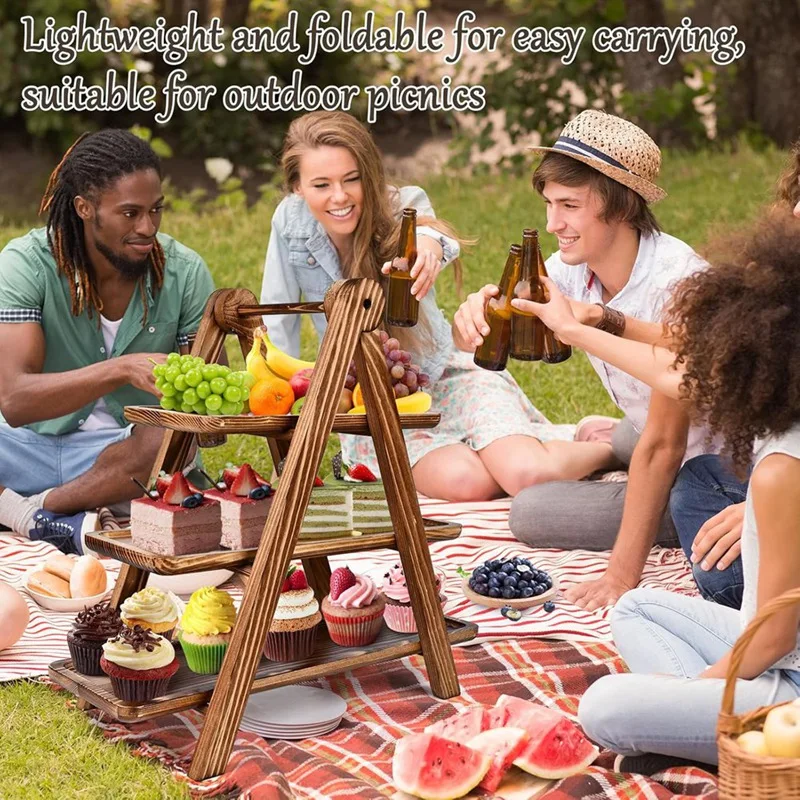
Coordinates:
(205, 629)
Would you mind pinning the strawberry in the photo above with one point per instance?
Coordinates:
(286, 586)
(341, 579)
(318, 481)
(162, 484)
(229, 474)
(178, 490)
(360, 472)
(246, 480)
(297, 580)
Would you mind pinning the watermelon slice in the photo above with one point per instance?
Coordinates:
(498, 717)
(502, 745)
(433, 768)
(463, 726)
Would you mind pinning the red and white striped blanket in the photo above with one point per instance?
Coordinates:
(485, 535)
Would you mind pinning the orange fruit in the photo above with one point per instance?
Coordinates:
(271, 396)
(358, 397)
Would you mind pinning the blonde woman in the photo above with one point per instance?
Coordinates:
(340, 220)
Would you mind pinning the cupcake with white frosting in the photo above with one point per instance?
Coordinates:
(139, 663)
(293, 632)
(151, 609)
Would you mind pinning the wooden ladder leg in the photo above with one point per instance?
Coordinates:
(384, 425)
(352, 306)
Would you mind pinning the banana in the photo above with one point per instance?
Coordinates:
(256, 365)
(282, 364)
(417, 403)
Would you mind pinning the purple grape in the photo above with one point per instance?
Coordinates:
(392, 344)
(405, 356)
(401, 390)
(414, 368)
(397, 371)
(423, 379)
(395, 355)
(350, 382)
(389, 363)
(383, 336)
(410, 379)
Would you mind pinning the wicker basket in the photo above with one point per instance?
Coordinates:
(742, 775)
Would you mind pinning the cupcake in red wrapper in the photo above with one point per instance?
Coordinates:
(92, 628)
(399, 616)
(353, 611)
(139, 663)
(293, 633)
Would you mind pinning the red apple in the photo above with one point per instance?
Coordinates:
(300, 382)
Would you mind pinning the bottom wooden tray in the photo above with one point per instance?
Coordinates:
(187, 690)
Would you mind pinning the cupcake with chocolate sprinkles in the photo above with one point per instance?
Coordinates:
(139, 663)
(91, 629)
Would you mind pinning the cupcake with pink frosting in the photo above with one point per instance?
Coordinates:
(353, 611)
(399, 615)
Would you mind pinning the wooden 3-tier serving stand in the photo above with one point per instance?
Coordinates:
(354, 309)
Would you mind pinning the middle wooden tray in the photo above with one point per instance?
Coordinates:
(118, 545)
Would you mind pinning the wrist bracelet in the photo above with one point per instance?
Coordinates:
(613, 321)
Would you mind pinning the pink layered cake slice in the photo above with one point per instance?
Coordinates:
(244, 504)
(175, 519)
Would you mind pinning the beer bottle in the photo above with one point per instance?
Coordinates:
(402, 308)
(527, 330)
(493, 353)
(555, 351)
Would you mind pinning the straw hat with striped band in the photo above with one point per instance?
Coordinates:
(615, 147)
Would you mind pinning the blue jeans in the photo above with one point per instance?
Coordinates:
(667, 640)
(703, 488)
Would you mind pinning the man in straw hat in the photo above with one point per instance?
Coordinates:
(598, 181)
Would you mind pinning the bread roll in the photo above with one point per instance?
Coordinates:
(48, 584)
(88, 578)
(61, 565)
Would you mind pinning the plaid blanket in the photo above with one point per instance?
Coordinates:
(386, 701)
(485, 535)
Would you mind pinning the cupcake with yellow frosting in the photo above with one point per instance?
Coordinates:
(205, 629)
(151, 609)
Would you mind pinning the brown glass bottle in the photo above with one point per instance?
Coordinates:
(527, 330)
(555, 351)
(493, 353)
(402, 308)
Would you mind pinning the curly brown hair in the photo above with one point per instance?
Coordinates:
(736, 330)
(789, 183)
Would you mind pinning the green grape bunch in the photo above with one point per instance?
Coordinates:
(188, 384)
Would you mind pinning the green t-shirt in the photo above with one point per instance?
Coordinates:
(32, 290)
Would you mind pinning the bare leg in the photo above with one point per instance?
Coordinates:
(109, 480)
(455, 472)
(516, 462)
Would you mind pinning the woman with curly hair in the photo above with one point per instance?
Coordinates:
(734, 357)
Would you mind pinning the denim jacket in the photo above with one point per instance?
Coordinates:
(302, 263)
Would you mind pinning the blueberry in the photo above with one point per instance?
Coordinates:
(472, 583)
(548, 582)
(549, 606)
(526, 592)
(494, 583)
(193, 500)
(509, 593)
(494, 591)
(507, 568)
(511, 613)
(482, 589)
(510, 581)
(260, 492)
(524, 568)
(523, 584)
(480, 574)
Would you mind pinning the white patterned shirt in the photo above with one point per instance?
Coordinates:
(662, 261)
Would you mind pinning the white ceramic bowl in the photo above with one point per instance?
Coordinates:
(73, 604)
(190, 581)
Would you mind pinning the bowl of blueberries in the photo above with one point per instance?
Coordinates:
(513, 583)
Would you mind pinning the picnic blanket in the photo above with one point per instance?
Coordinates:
(389, 700)
(485, 535)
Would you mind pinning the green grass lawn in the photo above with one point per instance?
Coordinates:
(49, 751)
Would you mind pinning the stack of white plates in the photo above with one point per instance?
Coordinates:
(293, 712)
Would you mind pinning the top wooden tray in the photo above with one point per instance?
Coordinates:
(275, 426)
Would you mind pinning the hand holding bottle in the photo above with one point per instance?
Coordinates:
(425, 269)
(557, 314)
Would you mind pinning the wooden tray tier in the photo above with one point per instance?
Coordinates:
(276, 427)
(118, 545)
(188, 690)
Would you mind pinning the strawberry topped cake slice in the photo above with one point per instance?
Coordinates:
(245, 499)
(370, 509)
(175, 518)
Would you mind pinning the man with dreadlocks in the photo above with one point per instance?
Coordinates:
(87, 304)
